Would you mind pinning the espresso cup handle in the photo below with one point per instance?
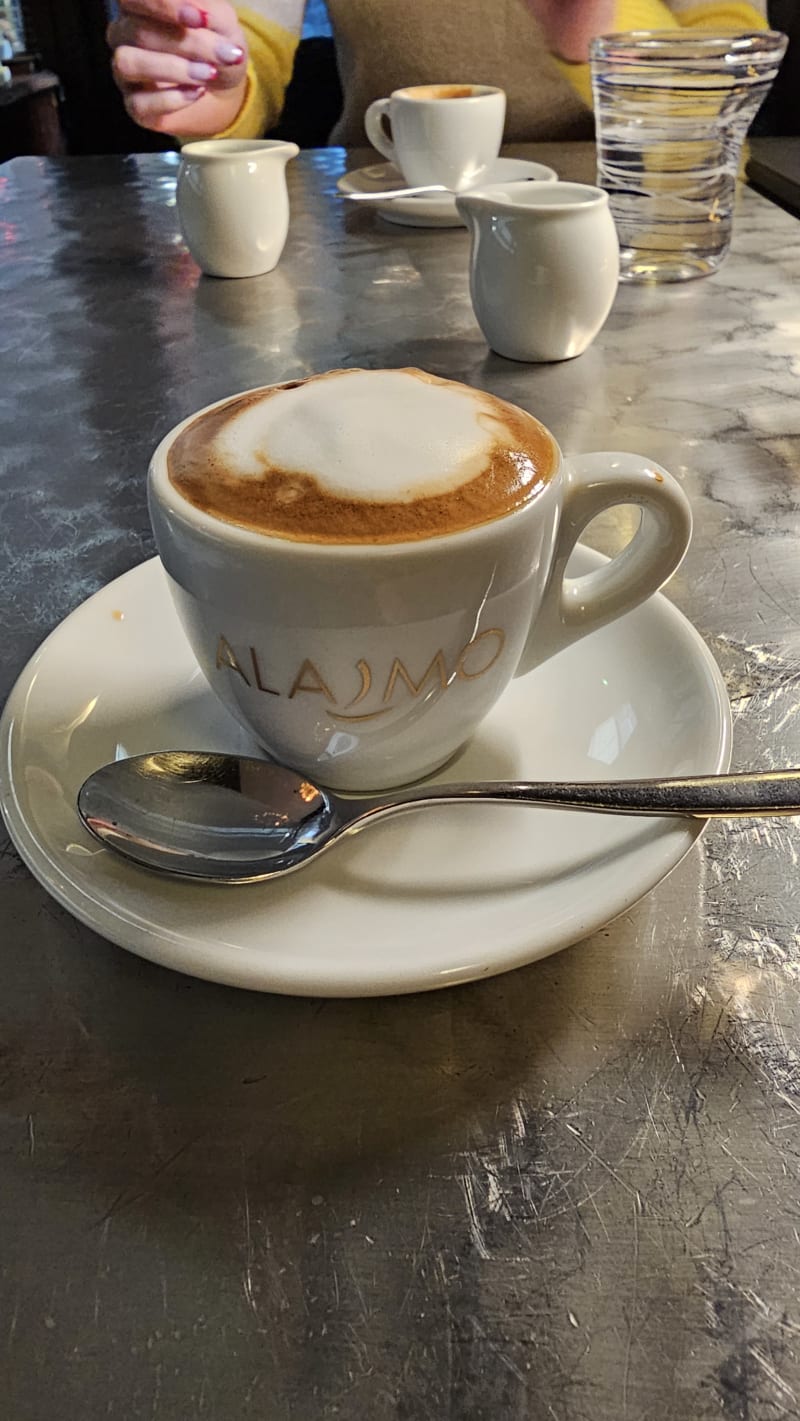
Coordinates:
(376, 132)
(571, 607)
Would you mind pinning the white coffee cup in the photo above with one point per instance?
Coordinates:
(544, 266)
(368, 665)
(233, 204)
(441, 133)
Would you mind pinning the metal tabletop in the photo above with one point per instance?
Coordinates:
(566, 1193)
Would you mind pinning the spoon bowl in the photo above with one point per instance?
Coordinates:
(237, 819)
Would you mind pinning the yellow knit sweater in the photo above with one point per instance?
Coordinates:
(382, 45)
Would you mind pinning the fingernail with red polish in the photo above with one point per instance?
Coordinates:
(192, 17)
(203, 72)
(229, 53)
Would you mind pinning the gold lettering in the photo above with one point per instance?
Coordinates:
(368, 715)
(461, 671)
(257, 674)
(366, 682)
(399, 671)
(227, 657)
(315, 684)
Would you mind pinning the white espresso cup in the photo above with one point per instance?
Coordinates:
(440, 133)
(369, 664)
(233, 205)
(544, 266)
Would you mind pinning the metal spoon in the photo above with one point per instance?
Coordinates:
(230, 819)
(391, 193)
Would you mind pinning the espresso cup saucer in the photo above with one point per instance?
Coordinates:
(432, 209)
(429, 900)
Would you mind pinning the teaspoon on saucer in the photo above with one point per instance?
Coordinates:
(391, 193)
(394, 192)
(234, 819)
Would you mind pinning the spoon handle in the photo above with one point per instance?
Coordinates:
(696, 797)
(391, 193)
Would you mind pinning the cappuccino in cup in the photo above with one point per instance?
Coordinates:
(446, 134)
(363, 560)
(362, 456)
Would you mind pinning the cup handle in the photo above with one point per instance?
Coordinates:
(574, 606)
(376, 132)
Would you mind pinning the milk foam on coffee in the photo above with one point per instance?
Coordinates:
(362, 456)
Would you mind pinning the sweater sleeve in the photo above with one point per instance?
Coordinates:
(728, 15)
(272, 51)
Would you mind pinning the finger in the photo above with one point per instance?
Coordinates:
(156, 108)
(203, 46)
(133, 67)
(216, 15)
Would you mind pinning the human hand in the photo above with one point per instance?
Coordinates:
(569, 25)
(180, 68)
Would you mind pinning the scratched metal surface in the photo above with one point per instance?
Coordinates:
(568, 1193)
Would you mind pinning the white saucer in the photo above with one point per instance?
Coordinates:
(425, 901)
(435, 209)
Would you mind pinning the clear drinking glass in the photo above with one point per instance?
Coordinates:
(672, 109)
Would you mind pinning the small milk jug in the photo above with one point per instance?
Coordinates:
(233, 204)
(544, 266)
